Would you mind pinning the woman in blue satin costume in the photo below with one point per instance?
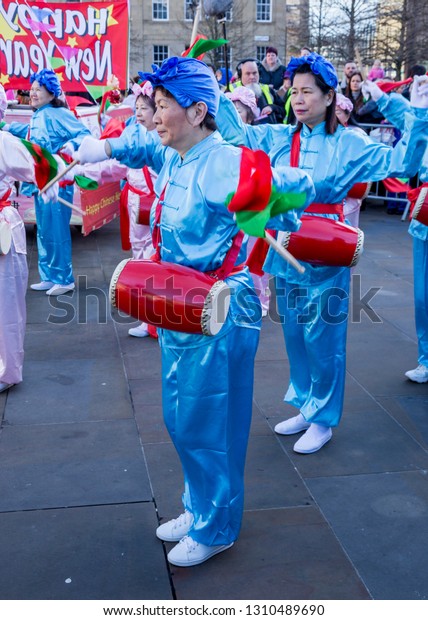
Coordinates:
(207, 381)
(52, 126)
(314, 306)
(413, 116)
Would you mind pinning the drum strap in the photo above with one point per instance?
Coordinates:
(228, 265)
(4, 202)
(315, 207)
(124, 218)
(123, 206)
(148, 178)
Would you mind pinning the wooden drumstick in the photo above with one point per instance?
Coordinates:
(283, 252)
(59, 176)
(70, 206)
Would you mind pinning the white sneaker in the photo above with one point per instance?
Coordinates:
(139, 332)
(60, 289)
(188, 552)
(175, 529)
(292, 426)
(5, 386)
(419, 374)
(314, 439)
(42, 286)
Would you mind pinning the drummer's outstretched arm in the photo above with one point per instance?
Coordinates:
(236, 132)
(15, 159)
(135, 148)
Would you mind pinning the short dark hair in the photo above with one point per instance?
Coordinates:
(56, 102)
(149, 100)
(417, 70)
(331, 122)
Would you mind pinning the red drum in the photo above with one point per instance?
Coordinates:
(359, 190)
(146, 202)
(170, 296)
(420, 211)
(5, 238)
(322, 241)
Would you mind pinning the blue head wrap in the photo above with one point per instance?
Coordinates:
(188, 80)
(48, 79)
(319, 66)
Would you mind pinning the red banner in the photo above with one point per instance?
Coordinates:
(84, 43)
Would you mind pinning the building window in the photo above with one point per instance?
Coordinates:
(219, 57)
(264, 10)
(189, 10)
(160, 10)
(160, 53)
(261, 52)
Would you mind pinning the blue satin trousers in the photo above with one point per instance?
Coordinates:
(314, 321)
(207, 403)
(420, 279)
(54, 239)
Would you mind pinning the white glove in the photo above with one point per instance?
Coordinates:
(68, 149)
(69, 176)
(372, 90)
(419, 92)
(91, 151)
(51, 194)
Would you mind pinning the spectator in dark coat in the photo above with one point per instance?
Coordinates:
(271, 69)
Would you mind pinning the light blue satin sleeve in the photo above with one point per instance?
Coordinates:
(52, 127)
(410, 154)
(20, 130)
(136, 147)
(393, 107)
(238, 133)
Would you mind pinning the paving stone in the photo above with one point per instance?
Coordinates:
(89, 553)
(382, 523)
(57, 465)
(68, 390)
(297, 557)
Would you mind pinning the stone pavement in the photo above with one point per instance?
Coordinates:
(87, 470)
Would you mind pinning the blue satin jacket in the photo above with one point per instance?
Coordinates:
(197, 229)
(335, 163)
(400, 113)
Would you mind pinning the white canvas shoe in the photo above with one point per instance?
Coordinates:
(292, 426)
(188, 552)
(314, 439)
(60, 289)
(175, 529)
(139, 332)
(419, 374)
(42, 286)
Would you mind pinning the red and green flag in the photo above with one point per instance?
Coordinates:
(45, 164)
(256, 201)
(202, 45)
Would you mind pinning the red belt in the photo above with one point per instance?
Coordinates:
(326, 209)
(4, 202)
(124, 213)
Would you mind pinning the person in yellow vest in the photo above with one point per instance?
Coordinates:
(270, 104)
